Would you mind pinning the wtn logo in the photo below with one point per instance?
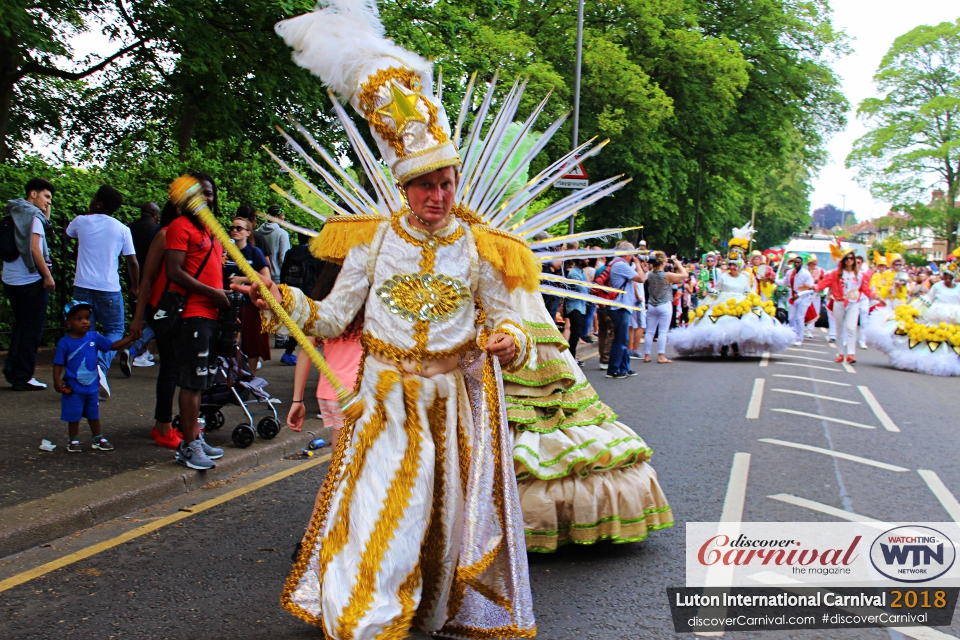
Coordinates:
(898, 554)
(912, 554)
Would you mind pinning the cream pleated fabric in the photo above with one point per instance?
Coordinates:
(582, 475)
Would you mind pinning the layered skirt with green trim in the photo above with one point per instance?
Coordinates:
(582, 475)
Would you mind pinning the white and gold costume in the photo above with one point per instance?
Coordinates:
(419, 525)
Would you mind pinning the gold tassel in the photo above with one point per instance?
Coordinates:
(342, 233)
(509, 255)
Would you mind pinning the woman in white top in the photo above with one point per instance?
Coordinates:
(847, 286)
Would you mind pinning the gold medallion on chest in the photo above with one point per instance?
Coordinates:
(424, 297)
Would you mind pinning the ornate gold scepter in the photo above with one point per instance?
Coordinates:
(185, 191)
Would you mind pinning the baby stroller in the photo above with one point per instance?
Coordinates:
(235, 383)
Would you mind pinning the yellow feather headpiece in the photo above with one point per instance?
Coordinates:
(878, 259)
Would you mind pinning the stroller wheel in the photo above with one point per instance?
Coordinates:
(242, 435)
(214, 419)
(220, 419)
(268, 428)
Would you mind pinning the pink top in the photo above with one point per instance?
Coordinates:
(343, 355)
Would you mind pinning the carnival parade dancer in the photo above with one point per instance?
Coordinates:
(924, 335)
(734, 318)
(800, 283)
(761, 276)
(813, 266)
(583, 475)
(846, 286)
(419, 528)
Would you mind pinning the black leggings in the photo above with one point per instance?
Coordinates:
(576, 330)
(167, 379)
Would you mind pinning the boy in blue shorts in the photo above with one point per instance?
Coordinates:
(76, 361)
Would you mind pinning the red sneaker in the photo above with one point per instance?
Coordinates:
(839, 359)
(171, 440)
(851, 360)
(154, 434)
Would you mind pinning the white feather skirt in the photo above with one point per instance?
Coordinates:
(752, 333)
(881, 334)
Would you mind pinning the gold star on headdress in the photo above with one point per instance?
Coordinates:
(403, 108)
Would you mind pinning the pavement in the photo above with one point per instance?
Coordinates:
(217, 572)
(46, 495)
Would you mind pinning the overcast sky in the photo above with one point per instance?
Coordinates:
(872, 27)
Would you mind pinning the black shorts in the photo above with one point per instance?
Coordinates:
(196, 346)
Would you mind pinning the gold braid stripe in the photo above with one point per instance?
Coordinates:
(400, 627)
(435, 543)
(494, 632)
(514, 363)
(418, 354)
(388, 520)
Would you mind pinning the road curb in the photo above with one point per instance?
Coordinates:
(33, 523)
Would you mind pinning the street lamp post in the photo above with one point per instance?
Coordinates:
(576, 88)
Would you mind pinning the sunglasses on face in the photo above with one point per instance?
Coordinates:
(237, 228)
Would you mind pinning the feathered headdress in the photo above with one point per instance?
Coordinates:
(343, 43)
(953, 265)
(838, 249)
(893, 257)
(740, 242)
(878, 259)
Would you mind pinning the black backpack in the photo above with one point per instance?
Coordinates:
(300, 268)
(8, 240)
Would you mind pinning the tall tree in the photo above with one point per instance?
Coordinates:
(34, 38)
(914, 142)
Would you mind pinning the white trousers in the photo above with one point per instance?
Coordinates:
(846, 327)
(864, 312)
(831, 324)
(796, 312)
(657, 317)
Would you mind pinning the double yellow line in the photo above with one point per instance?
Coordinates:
(83, 554)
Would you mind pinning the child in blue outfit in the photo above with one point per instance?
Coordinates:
(76, 362)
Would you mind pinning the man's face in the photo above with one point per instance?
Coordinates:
(859, 262)
(797, 263)
(430, 196)
(41, 200)
(208, 194)
(897, 264)
(711, 261)
(755, 261)
(153, 212)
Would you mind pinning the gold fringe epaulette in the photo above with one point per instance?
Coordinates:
(342, 233)
(509, 255)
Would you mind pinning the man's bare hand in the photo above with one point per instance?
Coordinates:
(502, 347)
(254, 292)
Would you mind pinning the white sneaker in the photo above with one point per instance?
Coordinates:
(146, 354)
(33, 382)
(143, 361)
(104, 387)
(798, 344)
(863, 345)
(259, 364)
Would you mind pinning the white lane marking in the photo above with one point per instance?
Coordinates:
(736, 489)
(808, 366)
(756, 398)
(808, 350)
(819, 417)
(848, 367)
(784, 375)
(878, 410)
(823, 330)
(943, 494)
(827, 509)
(815, 395)
(787, 355)
(719, 575)
(920, 633)
(835, 454)
(765, 359)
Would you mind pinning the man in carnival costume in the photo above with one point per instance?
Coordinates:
(418, 529)
(709, 274)
(800, 283)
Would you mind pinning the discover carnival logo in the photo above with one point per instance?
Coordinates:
(745, 551)
(912, 554)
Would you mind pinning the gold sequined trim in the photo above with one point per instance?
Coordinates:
(387, 350)
(465, 214)
(437, 240)
(313, 317)
(423, 296)
(515, 362)
(367, 97)
(431, 554)
(493, 632)
(388, 520)
(400, 627)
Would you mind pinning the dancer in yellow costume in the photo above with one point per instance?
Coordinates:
(418, 529)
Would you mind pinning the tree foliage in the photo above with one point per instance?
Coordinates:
(914, 141)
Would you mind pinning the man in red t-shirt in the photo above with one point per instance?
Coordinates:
(194, 267)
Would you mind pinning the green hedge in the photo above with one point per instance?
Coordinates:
(242, 175)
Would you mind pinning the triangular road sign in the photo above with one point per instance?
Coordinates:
(576, 178)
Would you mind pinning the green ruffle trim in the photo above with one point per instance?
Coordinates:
(553, 370)
(558, 399)
(616, 539)
(629, 456)
(541, 332)
(525, 419)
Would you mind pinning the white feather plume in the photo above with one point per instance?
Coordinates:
(744, 233)
(339, 39)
